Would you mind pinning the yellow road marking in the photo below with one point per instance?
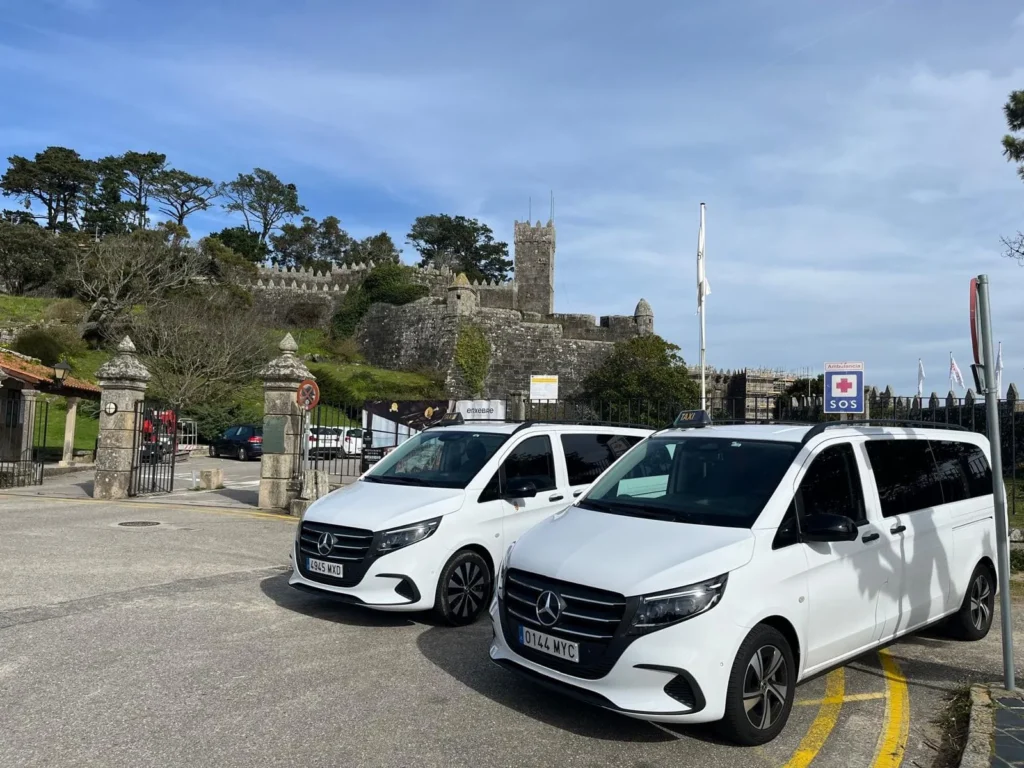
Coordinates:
(892, 742)
(209, 508)
(828, 715)
(847, 698)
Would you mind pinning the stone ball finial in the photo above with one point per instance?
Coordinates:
(288, 344)
(127, 346)
(643, 309)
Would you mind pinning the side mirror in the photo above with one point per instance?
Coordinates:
(828, 527)
(520, 489)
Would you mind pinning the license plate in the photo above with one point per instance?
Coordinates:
(324, 567)
(563, 649)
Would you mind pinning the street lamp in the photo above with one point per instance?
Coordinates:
(60, 371)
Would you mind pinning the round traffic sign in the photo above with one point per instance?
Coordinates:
(308, 395)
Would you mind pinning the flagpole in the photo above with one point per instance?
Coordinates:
(700, 309)
(951, 371)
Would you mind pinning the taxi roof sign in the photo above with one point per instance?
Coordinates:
(692, 419)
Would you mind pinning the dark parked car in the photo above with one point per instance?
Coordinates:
(244, 442)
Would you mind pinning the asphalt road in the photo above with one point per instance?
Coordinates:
(181, 644)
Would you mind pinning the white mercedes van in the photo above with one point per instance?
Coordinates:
(426, 526)
(712, 569)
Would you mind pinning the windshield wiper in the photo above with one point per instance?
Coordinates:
(402, 480)
(629, 508)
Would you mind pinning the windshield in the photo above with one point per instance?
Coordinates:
(693, 479)
(437, 458)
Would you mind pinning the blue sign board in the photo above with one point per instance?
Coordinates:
(844, 387)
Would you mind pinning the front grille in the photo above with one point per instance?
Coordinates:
(594, 618)
(353, 548)
(679, 688)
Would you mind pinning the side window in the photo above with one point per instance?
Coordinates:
(979, 472)
(588, 455)
(949, 465)
(245, 432)
(532, 460)
(231, 433)
(830, 486)
(905, 474)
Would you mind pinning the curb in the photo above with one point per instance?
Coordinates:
(980, 730)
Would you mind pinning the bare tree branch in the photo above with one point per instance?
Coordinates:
(1015, 247)
(198, 347)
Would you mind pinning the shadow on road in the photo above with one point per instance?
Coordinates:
(327, 609)
(462, 652)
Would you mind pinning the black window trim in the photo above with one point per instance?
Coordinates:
(500, 474)
(611, 433)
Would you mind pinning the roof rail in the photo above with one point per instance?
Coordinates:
(821, 426)
(579, 423)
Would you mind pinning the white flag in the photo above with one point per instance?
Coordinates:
(999, 371)
(920, 378)
(703, 288)
(954, 373)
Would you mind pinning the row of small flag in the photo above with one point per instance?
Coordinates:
(956, 378)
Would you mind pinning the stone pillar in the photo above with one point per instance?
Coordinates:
(280, 479)
(517, 406)
(69, 431)
(28, 424)
(123, 380)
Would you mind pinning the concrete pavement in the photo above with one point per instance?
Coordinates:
(181, 644)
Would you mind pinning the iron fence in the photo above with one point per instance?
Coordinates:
(154, 449)
(23, 427)
(332, 441)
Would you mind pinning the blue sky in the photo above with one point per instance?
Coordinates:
(848, 153)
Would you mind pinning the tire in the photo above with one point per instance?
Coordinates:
(213, 451)
(974, 619)
(242, 455)
(463, 589)
(752, 693)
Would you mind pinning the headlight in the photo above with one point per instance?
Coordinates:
(397, 538)
(662, 609)
(503, 571)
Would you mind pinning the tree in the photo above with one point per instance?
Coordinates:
(182, 194)
(263, 200)
(245, 243)
(139, 173)
(311, 244)
(643, 377)
(199, 347)
(380, 249)
(464, 245)
(121, 272)
(806, 387)
(30, 257)
(58, 179)
(1013, 150)
(105, 212)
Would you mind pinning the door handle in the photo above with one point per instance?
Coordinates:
(556, 497)
(868, 537)
(577, 494)
(898, 528)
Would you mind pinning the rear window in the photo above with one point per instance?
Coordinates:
(354, 433)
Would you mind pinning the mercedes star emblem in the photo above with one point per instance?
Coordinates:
(325, 543)
(549, 608)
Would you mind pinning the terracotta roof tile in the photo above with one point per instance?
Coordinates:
(41, 377)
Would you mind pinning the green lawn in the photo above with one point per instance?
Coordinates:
(1015, 496)
(86, 428)
(21, 309)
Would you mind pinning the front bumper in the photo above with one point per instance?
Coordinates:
(679, 674)
(404, 580)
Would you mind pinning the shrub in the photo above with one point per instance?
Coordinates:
(473, 357)
(386, 284)
(346, 351)
(49, 344)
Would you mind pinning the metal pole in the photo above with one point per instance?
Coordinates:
(998, 491)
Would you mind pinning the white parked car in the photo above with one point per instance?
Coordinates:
(426, 526)
(712, 569)
(353, 443)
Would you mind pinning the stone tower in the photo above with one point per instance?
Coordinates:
(535, 267)
(644, 318)
(462, 299)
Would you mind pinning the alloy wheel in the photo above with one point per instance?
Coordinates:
(981, 593)
(466, 589)
(765, 687)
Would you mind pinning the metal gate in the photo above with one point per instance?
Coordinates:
(22, 440)
(154, 448)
